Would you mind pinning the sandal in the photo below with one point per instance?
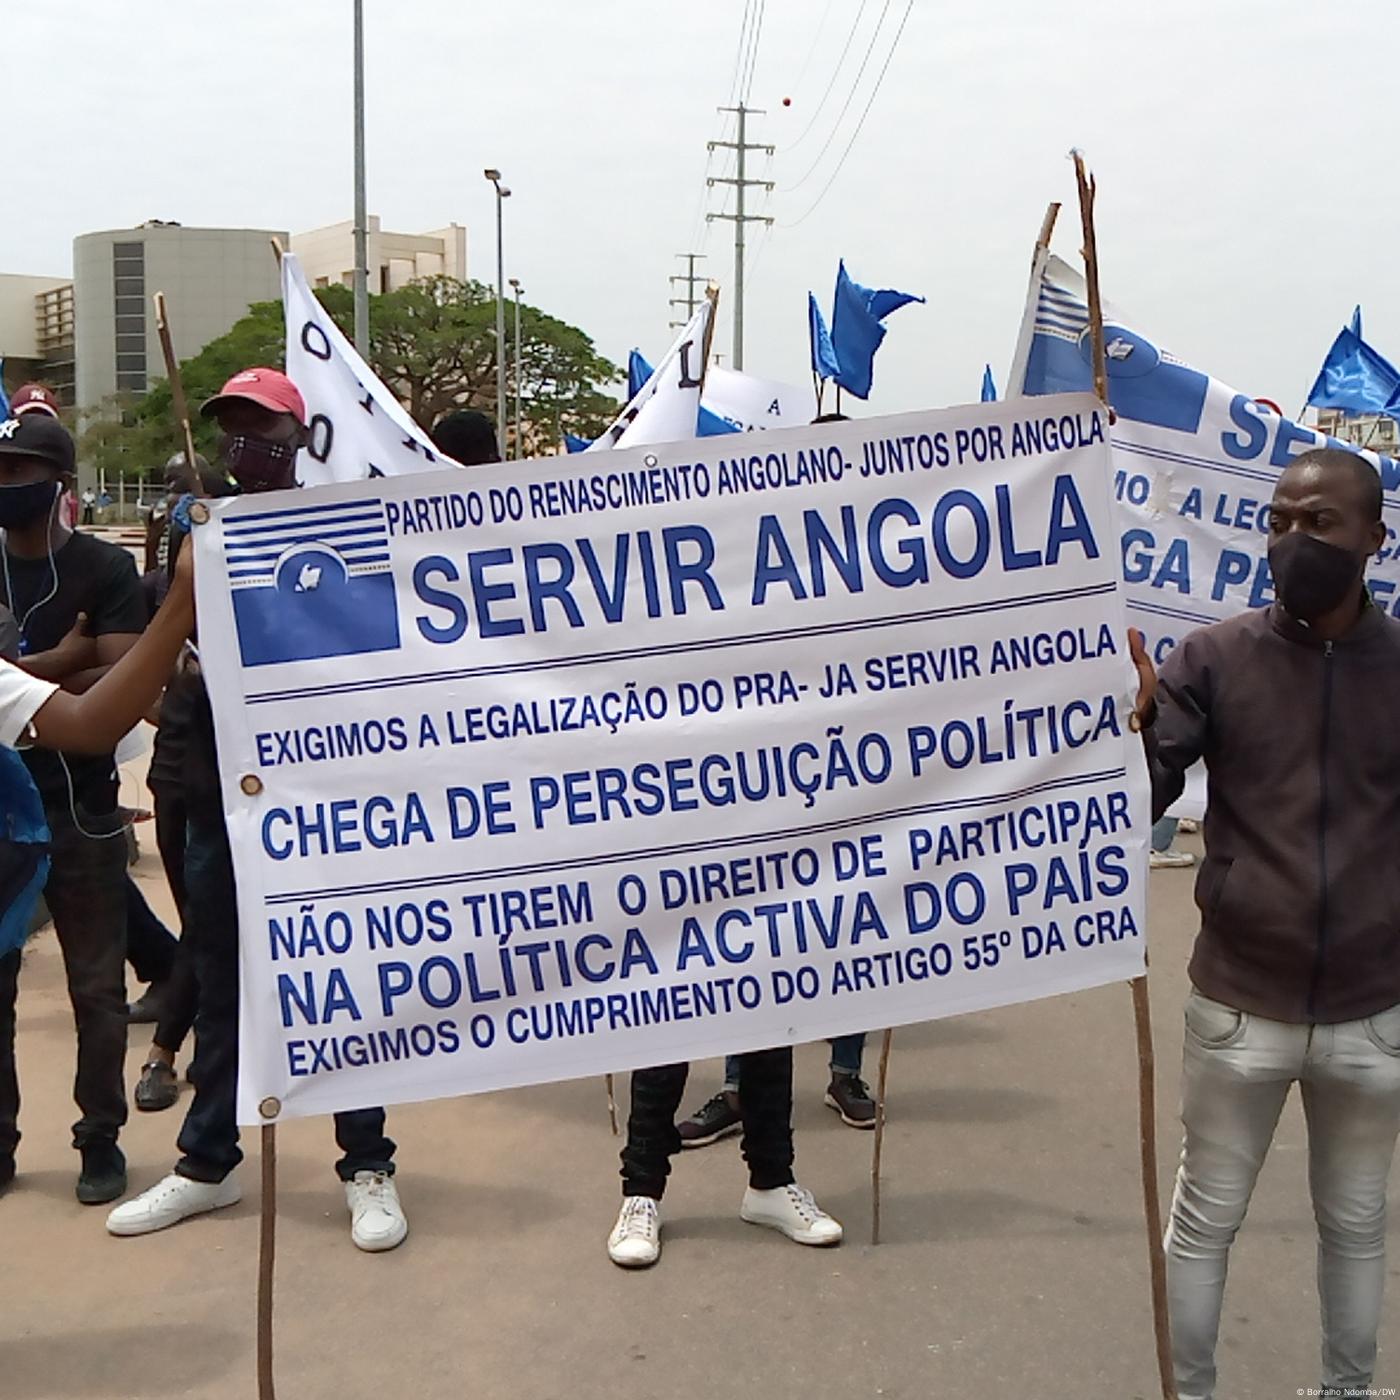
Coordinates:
(158, 1086)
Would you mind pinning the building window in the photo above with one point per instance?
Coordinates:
(129, 316)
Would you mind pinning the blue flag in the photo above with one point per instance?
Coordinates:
(824, 362)
(1143, 383)
(638, 372)
(1356, 321)
(576, 444)
(989, 386)
(4, 401)
(856, 329)
(1354, 377)
(710, 424)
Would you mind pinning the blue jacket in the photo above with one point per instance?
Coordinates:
(24, 850)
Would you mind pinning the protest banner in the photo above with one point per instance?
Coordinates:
(1194, 463)
(358, 429)
(535, 777)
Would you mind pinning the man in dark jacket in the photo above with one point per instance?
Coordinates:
(1296, 969)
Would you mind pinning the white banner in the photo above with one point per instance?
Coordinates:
(1194, 466)
(667, 407)
(531, 776)
(358, 428)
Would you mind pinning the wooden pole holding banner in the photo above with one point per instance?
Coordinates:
(1151, 1201)
(177, 387)
(875, 1155)
(712, 296)
(612, 1103)
(267, 1257)
(1047, 226)
(1142, 1009)
(1087, 190)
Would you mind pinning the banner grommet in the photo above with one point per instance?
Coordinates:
(250, 784)
(199, 513)
(270, 1107)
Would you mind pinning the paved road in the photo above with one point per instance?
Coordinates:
(1014, 1261)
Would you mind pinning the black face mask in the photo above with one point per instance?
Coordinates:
(259, 464)
(23, 505)
(1312, 577)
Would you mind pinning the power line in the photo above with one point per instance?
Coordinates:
(816, 37)
(754, 41)
(739, 51)
(875, 91)
(845, 106)
(836, 73)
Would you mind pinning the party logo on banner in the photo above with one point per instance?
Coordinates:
(312, 582)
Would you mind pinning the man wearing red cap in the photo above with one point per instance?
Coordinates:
(33, 398)
(263, 422)
(36, 398)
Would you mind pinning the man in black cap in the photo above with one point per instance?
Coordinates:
(61, 584)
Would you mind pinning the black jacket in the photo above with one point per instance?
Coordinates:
(1300, 889)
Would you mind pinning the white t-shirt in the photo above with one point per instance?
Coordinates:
(21, 698)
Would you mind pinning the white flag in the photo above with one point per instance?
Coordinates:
(667, 407)
(358, 428)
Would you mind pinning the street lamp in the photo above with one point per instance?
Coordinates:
(502, 193)
(361, 274)
(516, 287)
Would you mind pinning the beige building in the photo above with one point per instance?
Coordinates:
(210, 277)
(394, 259)
(36, 332)
(1376, 431)
(95, 335)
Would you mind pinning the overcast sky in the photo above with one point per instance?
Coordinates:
(1245, 195)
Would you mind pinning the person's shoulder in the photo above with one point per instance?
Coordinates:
(88, 546)
(1387, 630)
(1229, 631)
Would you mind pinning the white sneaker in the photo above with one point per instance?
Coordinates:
(1189, 826)
(377, 1221)
(792, 1210)
(1172, 859)
(635, 1242)
(169, 1201)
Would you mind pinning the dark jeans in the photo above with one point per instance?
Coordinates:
(172, 820)
(847, 1052)
(150, 946)
(180, 997)
(179, 1001)
(765, 1103)
(86, 896)
(209, 1138)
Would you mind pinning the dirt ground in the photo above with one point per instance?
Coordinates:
(1014, 1260)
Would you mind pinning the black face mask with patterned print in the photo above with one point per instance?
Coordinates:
(259, 464)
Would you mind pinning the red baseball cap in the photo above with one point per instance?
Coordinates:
(34, 398)
(268, 388)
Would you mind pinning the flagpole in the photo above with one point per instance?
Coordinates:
(1142, 1007)
(361, 218)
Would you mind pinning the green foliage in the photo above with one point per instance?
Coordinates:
(433, 342)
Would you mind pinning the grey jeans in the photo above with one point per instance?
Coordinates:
(1237, 1073)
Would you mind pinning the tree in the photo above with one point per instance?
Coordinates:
(433, 343)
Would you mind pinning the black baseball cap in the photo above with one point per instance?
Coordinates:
(38, 435)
